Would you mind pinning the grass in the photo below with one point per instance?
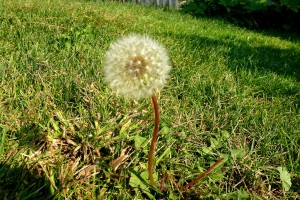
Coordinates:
(233, 93)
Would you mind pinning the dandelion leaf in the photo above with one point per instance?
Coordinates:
(285, 178)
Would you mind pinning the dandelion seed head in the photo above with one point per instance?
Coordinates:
(136, 66)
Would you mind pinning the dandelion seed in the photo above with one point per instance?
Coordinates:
(136, 66)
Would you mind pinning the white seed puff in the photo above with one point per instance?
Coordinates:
(136, 66)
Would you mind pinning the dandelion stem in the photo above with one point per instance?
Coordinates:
(153, 141)
(202, 175)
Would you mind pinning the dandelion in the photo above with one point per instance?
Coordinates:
(137, 67)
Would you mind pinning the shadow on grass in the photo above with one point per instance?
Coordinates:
(270, 23)
(17, 182)
(19, 179)
(251, 56)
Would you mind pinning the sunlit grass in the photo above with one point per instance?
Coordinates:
(233, 93)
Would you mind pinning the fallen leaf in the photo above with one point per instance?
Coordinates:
(86, 171)
(117, 162)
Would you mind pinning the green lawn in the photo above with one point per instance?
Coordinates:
(232, 93)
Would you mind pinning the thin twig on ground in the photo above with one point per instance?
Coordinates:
(202, 175)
